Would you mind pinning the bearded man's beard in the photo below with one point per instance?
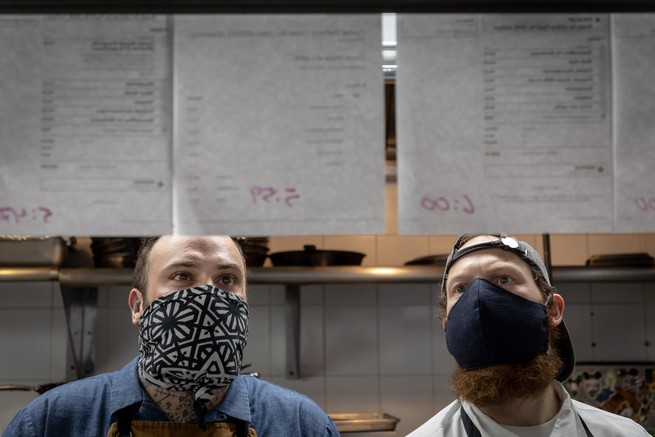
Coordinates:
(499, 384)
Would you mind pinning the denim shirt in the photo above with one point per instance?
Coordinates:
(88, 406)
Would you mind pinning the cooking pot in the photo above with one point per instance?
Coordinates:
(313, 257)
(255, 254)
(435, 260)
(255, 250)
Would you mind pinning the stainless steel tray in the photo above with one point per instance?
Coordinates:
(31, 251)
(362, 422)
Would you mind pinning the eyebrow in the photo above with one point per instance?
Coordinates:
(186, 263)
(492, 268)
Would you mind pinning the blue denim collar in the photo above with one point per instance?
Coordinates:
(127, 391)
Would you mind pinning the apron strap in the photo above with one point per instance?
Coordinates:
(242, 428)
(124, 420)
(469, 426)
(472, 430)
(586, 428)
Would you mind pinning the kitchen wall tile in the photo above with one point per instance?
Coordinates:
(649, 292)
(408, 398)
(25, 333)
(278, 342)
(397, 250)
(578, 318)
(351, 340)
(102, 326)
(102, 297)
(258, 294)
(405, 340)
(258, 349)
(442, 361)
(122, 339)
(351, 294)
(57, 299)
(277, 294)
(619, 344)
(365, 244)
(574, 292)
(312, 342)
(352, 394)
(616, 292)
(443, 393)
(569, 249)
(27, 294)
(117, 296)
(59, 344)
(312, 294)
(404, 294)
(604, 244)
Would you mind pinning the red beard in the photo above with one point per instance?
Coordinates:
(496, 385)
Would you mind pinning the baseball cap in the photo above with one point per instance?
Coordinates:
(528, 254)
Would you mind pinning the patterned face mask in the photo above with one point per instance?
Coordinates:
(193, 340)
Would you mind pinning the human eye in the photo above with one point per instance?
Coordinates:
(180, 276)
(227, 280)
(458, 288)
(504, 280)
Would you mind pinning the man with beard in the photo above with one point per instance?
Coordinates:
(190, 304)
(504, 327)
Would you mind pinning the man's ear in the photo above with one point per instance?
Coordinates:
(136, 303)
(556, 310)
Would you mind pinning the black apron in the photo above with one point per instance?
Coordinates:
(125, 426)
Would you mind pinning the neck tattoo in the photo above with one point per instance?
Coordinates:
(178, 405)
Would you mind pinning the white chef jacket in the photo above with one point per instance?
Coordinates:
(448, 422)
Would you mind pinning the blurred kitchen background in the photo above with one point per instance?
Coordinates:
(369, 348)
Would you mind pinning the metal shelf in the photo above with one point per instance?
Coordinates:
(79, 288)
(89, 277)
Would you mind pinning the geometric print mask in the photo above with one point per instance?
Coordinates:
(193, 340)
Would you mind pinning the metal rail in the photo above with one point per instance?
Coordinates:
(322, 6)
(88, 277)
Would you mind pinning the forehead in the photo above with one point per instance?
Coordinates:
(218, 248)
(485, 257)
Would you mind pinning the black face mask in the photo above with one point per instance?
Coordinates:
(489, 326)
(193, 340)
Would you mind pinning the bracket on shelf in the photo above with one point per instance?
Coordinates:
(292, 315)
(80, 305)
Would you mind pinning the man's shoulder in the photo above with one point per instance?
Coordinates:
(71, 392)
(94, 391)
(597, 418)
(82, 404)
(278, 410)
(259, 388)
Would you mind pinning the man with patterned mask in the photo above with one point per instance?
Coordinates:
(504, 327)
(189, 301)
